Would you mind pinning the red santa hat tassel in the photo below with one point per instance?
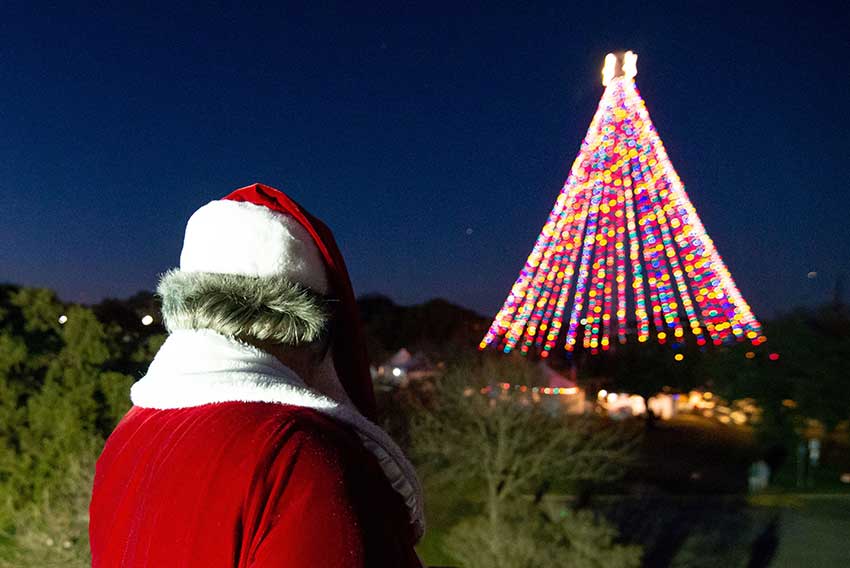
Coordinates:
(350, 357)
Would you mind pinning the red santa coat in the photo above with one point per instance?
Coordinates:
(227, 459)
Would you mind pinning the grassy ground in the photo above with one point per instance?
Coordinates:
(694, 454)
(431, 550)
(445, 506)
(812, 530)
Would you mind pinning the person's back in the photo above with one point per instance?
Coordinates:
(249, 442)
(229, 484)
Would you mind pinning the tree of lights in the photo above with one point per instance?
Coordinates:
(623, 237)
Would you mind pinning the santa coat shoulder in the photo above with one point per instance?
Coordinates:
(243, 484)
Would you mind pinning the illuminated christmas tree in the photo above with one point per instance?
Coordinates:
(623, 251)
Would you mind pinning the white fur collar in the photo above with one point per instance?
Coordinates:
(194, 368)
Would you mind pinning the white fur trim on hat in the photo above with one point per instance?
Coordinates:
(232, 237)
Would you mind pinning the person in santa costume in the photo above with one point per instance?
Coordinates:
(250, 441)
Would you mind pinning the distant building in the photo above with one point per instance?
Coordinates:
(669, 405)
(571, 397)
(404, 367)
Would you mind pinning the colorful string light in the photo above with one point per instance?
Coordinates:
(623, 236)
(505, 387)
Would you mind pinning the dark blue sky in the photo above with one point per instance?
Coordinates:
(402, 127)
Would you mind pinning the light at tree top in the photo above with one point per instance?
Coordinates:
(623, 251)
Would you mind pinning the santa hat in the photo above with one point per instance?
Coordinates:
(258, 264)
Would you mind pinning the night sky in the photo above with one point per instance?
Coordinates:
(433, 140)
